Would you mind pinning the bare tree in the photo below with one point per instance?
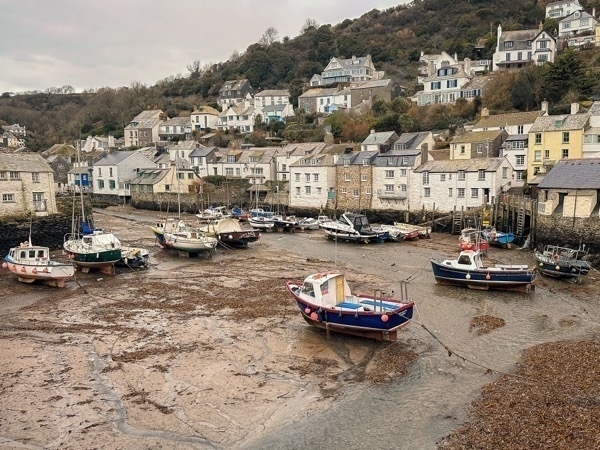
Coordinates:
(308, 23)
(195, 68)
(269, 36)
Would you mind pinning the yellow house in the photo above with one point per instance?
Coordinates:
(552, 138)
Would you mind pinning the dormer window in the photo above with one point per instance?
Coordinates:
(528, 43)
(508, 44)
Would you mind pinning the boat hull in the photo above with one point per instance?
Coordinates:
(238, 238)
(560, 268)
(50, 273)
(482, 279)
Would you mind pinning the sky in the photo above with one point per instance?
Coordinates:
(112, 43)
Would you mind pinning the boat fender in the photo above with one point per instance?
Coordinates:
(468, 277)
(23, 269)
(34, 270)
(4, 265)
(314, 316)
(555, 258)
(307, 310)
(384, 318)
(557, 267)
(487, 277)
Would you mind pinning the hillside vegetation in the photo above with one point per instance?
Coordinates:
(394, 38)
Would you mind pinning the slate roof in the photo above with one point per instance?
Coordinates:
(302, 148)
(476, 136)
(155, 175)
(357, 158)
(115, 158)
(273, 92)
(573, 174)
(396, 158)
(206, 110)
(177, 121)
(319, 92)
(274, 108)
(502, 120)
(202, 151)
(378, 138)
(322, 161)
(23, 162)
(233, 85)
(563, 122)
(519, 38)
(412, 140)
(370, 84)
(468, 165)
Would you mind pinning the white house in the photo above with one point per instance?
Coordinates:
(291, 153)
(576, 23)
(92, 143)
(277, 113)
(341, 70)
(312, 181)
(591, 136)
(272, 97)
(180, 152)
(200, 157)
(453, 184)
(392, 175)
(516, 49)
(556, 10)
(241, 116)
(174, 129)
(443, 84)
(204, 117)
(26, 184)
(379, 141)
(112, 173)
(257, 164)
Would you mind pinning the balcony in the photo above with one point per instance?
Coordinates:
(391, 195)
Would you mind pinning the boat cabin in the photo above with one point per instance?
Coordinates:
(358, 221)
(326, 289)
(467, 260)
(27, 253)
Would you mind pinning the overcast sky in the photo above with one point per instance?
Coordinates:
(93, 44)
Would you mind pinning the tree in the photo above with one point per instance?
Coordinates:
(567, 73)
(195, 69)
(308, 24)
(269, 37)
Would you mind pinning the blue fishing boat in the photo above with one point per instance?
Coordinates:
(325, 301)
(498, 238)
(468, 270)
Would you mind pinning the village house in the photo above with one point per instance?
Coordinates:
(515, 147)
(556, 137)
(419, 140)
(15, 129)
(379, 141)
(354, 180)
(233, 92)
(312, 181)
(200, 157)
(143, 129)
(321, 100)
(95, 143)
(60, 166)
(556, 10)
(477, 144)
(175, 129)
(113, 173)
(165, 181)
(80, 177)
(341, 70)
(578, 29)
(180, 153)
(272, 97)
(292, 153)
(369, 91)
(204, 118)
(11, 141)
(256, 164)
(392, 174)
(26, 185)
(591, 136)
(277, 113)
(241, 117)
(471, 183)
(516, 49)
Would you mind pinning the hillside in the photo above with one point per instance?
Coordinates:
(394, 38)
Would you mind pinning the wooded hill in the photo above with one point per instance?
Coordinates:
(394, 38)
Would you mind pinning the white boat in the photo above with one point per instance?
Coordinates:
(395, 233)
(179, 236)
(352, 227)
(32, 263)
(309, 223)
(134, 257)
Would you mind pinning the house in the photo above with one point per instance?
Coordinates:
(26, 185)
(80, 177)
(272, 97)
(257, 164)
(477, 144)
(475, 87)
(312, 181)
(515, 147)
(392, 175)
(450, 184)
(15, 129)
(591, 136)
(556, 137)
(241, 117)
(292, 153)
(10, 141)
(204, 118)
(556, 10)
(443, 84)
(341, 70)
(577, 23)
(380, 142)
(415, 141)
(354, 180)
(61, 149)
(175, 129)
(180, 152)
(369, 91)
(321, 100)
(233, 92)
(113, 173)
(200, 157)
(143, 129)
(571, 189)
(516, 49)
(93, 143)
(164, 181)
(61, 165)
(277, 113)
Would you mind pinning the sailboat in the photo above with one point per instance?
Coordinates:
(180, 236)
(89, 247)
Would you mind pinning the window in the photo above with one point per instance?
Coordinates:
(425, 178)
(230, 159)
(542, 57)
(110, 171)
(111, 184)
(536, 170)
(566, 137)
(297, 192)
(366, 162)
(537, 155)
(474, 192)
(389, 188)
(355, 192)
(316, 177)
(100, 184)
(8, 198)
(543, 44)
(480, 148)
(167, 187)
(538, 138)
(344, 191)
(403, 188)
(346, 177)
(565, 152)
(462, 149)
(180, 176)
(402, 172)
(520, 129)
(307, 177)
(566, 25)
(461, 192)
(449, 192)
(229, 171)
(451, 83)
(314, 161)
(505, 172)
(520, 175)
(481, 175)
(427, 192)
(520, 160)
(367, 191)
(507, 57)
(436, 85)
(346, 162)
(461, 175)
(519, 56)
(546, 154)
(307, 190)
(389, 174)
(35, 177)
(3, 175)
(99, 171)
(364, 177)
(443, 177)
(508, 44)
(283, 176)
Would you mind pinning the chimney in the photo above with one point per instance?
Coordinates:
(467, 66)
(545, 107)
(485, 112)
(372, 131)
(430, 69)
(574, 108)
(424, 153)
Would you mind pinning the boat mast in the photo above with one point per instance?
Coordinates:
(80, 181)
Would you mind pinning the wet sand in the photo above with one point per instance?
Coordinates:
(195, 353)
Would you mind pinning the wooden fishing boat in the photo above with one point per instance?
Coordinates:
(326, 301)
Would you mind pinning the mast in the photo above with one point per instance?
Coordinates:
(80, 181)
